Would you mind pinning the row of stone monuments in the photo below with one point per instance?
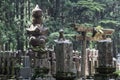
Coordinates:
(63, 51)
(39, 61)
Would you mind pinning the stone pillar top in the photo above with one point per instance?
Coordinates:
(61, 35)
(37, 15)
(36, 9)
(61, 39)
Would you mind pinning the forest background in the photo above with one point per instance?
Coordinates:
(15, 17)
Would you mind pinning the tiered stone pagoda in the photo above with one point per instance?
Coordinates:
(37, 32)
(37, 41)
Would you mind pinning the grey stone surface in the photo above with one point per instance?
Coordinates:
(46, 78)
(105, 69)
(26, 61)
(25, 72)
(63, 50)
(105, 53)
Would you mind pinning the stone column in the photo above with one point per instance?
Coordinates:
(25, 71)
(63, 50)
(64, 57)
(26, 61)
(1, 63)
(105, 53)
(105, 69)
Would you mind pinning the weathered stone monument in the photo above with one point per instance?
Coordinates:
(92, 61)
(105, 69)
(63, 51)
(8, 65)
(98, 33)
(38, 40)
(37, 33)
(52, 61)
(25, 71)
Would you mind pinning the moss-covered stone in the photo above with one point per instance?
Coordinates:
(64, 76)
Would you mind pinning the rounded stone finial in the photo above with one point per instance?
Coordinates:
(61, 35)
(61, 31)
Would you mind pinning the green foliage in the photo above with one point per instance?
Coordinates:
(109, 22)
(56, 15)
(117, 72)
(87, 24)
(68, 34)
(91, 5)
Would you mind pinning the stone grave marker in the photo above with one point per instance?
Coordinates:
(25, 71)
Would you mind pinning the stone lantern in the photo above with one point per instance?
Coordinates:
(37, 32)
(37, 40)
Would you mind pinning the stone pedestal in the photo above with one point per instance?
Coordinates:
(105, 53)
(105, 69)
(25, 72)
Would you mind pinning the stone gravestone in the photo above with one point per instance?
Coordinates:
(63, 50)
(64, 59)
(105, 66)
(26, 61)
(25, 71)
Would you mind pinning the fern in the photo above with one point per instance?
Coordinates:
(94, 6)
(109, 22)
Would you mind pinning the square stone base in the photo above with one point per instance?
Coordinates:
(25, 73)
(105, 76)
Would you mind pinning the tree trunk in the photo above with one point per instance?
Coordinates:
(57, 10)
(21, 33)
(29, 9)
